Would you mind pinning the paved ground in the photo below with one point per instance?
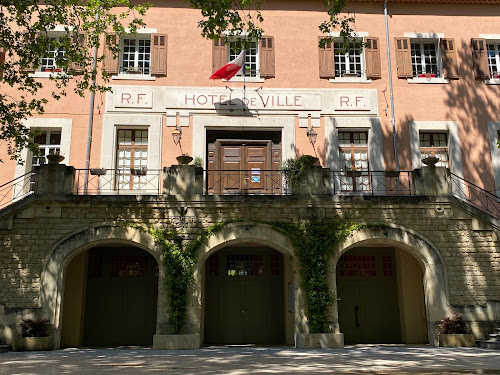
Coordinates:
(366, 359)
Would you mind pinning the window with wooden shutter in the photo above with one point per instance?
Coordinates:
(78, 41)
(267, 58)
(403, 58)
(326, 57)
(480, 58)
(449, 58)
(219, 54)
(159, 54)
(2, 59)
(110, 63)
(372, 58)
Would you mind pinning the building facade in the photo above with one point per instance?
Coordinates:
(429, 88)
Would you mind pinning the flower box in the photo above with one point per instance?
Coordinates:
(353, 173)
(427, 75)
(138, 171)
(391, 174)
(52, 70)
(98, 171)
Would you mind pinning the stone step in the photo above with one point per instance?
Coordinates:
(5, 348)
(494, 337)
(486, 344)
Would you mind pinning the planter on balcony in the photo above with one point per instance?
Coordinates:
(138, 171)
(98, 171)
(184, 159)
(391, 174)
(55, 158)
(430, 161)
(353, 173)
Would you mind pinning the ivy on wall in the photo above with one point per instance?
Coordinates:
(314, 243)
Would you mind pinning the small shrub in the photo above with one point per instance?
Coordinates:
(35, 328)
(453, 325)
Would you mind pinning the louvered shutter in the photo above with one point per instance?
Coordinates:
(372, 58)
(78, 40)
(219, 54)
(326, 65)
(266, 52)
(480, 58)
(403, 58)
(110, 63)
(449, 58)
(2, 59)
(30, 68)
(159, 54)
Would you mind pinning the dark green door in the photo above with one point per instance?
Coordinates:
(121, 296)
(369, 304)
(244, 297)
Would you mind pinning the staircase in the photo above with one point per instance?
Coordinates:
(492, 342)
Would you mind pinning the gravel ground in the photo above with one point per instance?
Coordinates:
(360, 359)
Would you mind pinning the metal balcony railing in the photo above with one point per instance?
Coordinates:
(372, 183)
(252, 182)
(117, 181)
(16, 189)
(475, 196)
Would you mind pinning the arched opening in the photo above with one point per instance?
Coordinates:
(110, 297)
(245, 299)
(381, 296)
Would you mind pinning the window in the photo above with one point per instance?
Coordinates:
(353, 152)
(140, 56)
(136, 56)
(360, 61)
(132, 159)
(494, 60)
(426, 58)
(259, 58)
(435, 144)
(54, 52)
(48, 141)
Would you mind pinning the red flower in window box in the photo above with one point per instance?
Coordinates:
(52, 70)
(427, 75)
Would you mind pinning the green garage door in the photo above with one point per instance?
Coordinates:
(368, 305)
(244, 297)
(121, 296)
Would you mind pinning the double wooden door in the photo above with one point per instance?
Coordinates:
(244, 166)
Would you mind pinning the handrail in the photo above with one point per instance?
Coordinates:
(16, 189)
(383, 183)
(117, 181)
(475, 196)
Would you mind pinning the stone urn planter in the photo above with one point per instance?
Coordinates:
(55, 158)
(184, 159)
(430, 161)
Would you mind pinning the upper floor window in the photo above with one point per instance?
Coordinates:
(48, 141)
(486, 58)
(426, 58)
(259, 58)
(494, 60)
(435, 144)
(49, 60)
(358, 61)
(140, 57)
(353, 152)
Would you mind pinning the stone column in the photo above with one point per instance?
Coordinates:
(182, 180)
(432, 181)
(54, 179)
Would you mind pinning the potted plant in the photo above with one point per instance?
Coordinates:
(353, 172)
(138, 171)
(35, 335)
(391, 173)
(98, 171)
(453, 333)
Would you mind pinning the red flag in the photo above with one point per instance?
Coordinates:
(229, 70)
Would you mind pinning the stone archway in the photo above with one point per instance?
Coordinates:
(237, 237)
(56, 264)
(422, 250)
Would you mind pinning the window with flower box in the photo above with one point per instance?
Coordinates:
(132, 159)
(353, 153)
(435, 144)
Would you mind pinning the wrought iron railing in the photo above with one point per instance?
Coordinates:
(16, 189)
(372, 182)
(475, 196)
(253, 182)
(117, 181)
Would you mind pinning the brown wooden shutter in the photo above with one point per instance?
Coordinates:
(449, 58)
(372, 58)
(326, 65)
(266, 53)
(110, 63)
(159, 54)
(219, 54)
(480, 58)
(2, 60)
(78, 40)
(403, 58)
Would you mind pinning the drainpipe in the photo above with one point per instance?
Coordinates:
(91, 118)
(393, 119)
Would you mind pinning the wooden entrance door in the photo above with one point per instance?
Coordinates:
(243, 166)
(369, 304)
(244, 298)
(120, 306)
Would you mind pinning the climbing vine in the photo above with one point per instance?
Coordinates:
(294, 169)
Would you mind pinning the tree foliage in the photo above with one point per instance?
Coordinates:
(26, 28)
